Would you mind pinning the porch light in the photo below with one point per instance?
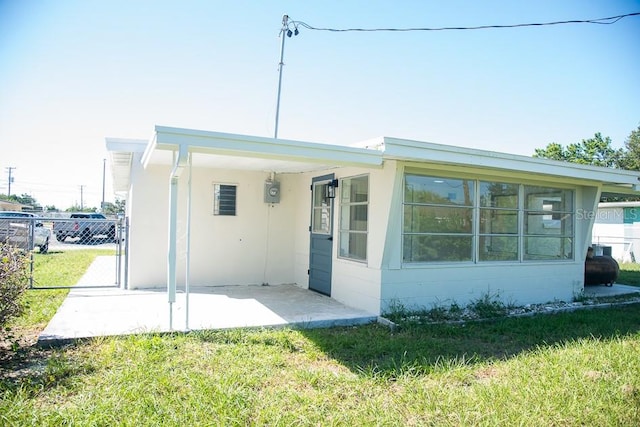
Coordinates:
(330, 189)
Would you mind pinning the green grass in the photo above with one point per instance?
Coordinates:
(629, 274)
(570, 369)
(580, 368)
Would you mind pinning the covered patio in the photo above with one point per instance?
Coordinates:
(90, 312)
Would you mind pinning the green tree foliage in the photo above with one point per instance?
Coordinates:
(595, 151)
(631, 159)
(76, 208)
(24, 199)
(113, 208)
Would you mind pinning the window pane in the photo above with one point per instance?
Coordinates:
(548, 199)
(319, 191)
(434, 190)
(354, 217)
(498, 195)
(417, 248)
(545, 224)
(545, 248)
(437, 219)
(355, 190)
(498, 248)
(498, 221)
(353, 245)
(224, 199)
(354, 212)
(322, 220)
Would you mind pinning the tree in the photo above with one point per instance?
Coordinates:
(77, 208)
(631, 158)
(113, 208)
(24, 199)
(596, 151)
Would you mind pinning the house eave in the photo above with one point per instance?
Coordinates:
(224, 144)
(407, 150)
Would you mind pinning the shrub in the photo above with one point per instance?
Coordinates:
(14, 280)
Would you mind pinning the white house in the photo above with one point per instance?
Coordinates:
(617, 226)
(389, 221)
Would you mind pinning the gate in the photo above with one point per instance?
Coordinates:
(85, 250)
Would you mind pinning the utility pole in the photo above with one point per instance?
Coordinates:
(81, 198)
(284, 31)
(10, 169)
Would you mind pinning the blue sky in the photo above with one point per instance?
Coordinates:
(75, 72)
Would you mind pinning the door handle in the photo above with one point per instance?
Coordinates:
(330, 238)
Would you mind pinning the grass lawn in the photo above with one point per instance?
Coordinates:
(580, 368)
(629, 274)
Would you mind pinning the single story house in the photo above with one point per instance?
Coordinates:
(390, 221)
(617, 228)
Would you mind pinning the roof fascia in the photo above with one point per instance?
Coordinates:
(126, 145)
(167, 138)
(399, 149)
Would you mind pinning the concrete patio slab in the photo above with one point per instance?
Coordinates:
(599, 291)
(111, 311)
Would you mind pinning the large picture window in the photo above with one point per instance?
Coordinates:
(498, 233)
(548, 225)
(462, 220)
(354, 217)
(438, 219)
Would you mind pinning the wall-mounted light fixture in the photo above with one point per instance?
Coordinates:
(330, 189)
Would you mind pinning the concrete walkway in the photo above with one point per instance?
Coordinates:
(95, 312)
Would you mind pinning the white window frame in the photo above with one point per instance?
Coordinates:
(345, 230)
(217, 186)
(566, 237)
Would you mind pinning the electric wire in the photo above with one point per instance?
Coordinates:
(599, 21)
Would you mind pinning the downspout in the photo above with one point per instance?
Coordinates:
(180, 163)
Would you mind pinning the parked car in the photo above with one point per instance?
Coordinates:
(86, 225)
(16, 229)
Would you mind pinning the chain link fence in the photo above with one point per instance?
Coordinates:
(62, 246)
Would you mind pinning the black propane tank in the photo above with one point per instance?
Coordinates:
(600, 270)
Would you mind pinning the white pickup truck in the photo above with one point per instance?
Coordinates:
(16, 229)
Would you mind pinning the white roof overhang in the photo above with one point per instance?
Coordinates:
(612, 180)
(230, 151)
(121, 152)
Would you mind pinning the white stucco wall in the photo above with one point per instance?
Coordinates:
(252, 247)
(267, 243)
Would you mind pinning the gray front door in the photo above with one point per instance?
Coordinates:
(321, 250)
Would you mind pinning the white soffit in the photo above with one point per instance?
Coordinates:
(121, 152)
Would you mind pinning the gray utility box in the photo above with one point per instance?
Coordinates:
(272, 192)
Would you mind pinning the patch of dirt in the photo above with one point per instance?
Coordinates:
(20, 357)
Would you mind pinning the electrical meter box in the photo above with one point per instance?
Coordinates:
(272, 192)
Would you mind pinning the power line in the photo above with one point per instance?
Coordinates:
(599, 21)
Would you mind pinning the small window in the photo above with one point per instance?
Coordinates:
(354, 213)
(224, 199)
